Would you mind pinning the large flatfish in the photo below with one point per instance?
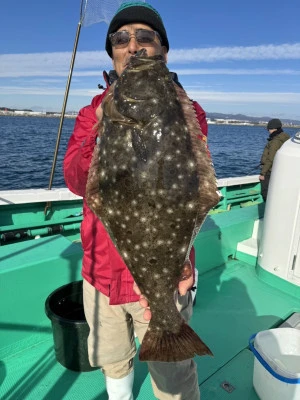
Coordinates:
(152, 183)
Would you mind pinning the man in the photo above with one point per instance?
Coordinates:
(275, 141)
(108, 284)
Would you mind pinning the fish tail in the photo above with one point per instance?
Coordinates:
(172, 347)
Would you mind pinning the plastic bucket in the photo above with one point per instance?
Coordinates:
(64, 307)
(276, 373)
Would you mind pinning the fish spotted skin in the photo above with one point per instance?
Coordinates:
(151, 182)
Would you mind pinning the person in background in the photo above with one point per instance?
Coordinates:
(275, 141)
(113, 309)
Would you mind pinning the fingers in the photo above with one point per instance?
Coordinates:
(185, 285)
(147, 314)
(187, 271)
(99, 112)
(143, 302)
(136, 289)
(187, 279)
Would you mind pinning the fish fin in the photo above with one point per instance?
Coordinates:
(208, 188)
(172, 347)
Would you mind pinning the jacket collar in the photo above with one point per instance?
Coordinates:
(279, 130)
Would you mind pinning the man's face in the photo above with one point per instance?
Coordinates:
(120, 56)
(272, 131)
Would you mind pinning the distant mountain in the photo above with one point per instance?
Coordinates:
(241, 117)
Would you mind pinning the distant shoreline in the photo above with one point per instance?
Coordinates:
(12, 114)
(210, 122)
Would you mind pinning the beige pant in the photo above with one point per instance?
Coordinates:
(111, 345)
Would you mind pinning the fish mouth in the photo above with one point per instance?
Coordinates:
(140, 53)
(126, 62)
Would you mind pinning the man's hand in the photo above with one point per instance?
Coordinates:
(187, 278)
(99, 113)
(184, 285)
(143, 302)
(261, 177)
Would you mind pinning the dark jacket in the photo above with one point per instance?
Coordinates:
(274, 144)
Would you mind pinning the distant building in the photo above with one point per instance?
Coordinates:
(32, 113)
(19, 112)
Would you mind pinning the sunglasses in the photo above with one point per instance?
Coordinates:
(143, 36)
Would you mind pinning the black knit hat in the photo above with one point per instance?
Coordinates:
(136, 12)
(274, 124)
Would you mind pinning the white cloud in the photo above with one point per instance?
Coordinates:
(226, 71)
(263, 52)
(45, 91)
(50, 64)
(245, 97)
(89, 63)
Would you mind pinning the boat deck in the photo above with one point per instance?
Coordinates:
(31, 371)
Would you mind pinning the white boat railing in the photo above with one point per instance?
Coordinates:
(24, 196)
(35, 196)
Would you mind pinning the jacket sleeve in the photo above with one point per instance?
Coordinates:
(201, 116)
(269, 155)
(80, 148)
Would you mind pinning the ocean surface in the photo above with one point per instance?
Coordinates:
(28, 146)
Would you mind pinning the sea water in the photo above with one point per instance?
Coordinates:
(28, 145)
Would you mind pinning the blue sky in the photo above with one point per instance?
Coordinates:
(231, 56)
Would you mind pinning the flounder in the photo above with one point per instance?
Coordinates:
(152, 183)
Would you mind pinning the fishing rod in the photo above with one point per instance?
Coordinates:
(63, 111)
(66, 93)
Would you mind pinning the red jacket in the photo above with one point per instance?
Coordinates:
(102, 266)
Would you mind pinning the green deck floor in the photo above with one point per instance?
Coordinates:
(231, 305)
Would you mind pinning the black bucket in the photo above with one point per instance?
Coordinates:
(64, 307)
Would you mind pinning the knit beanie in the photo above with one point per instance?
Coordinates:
(136, 12)
(274, 124)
